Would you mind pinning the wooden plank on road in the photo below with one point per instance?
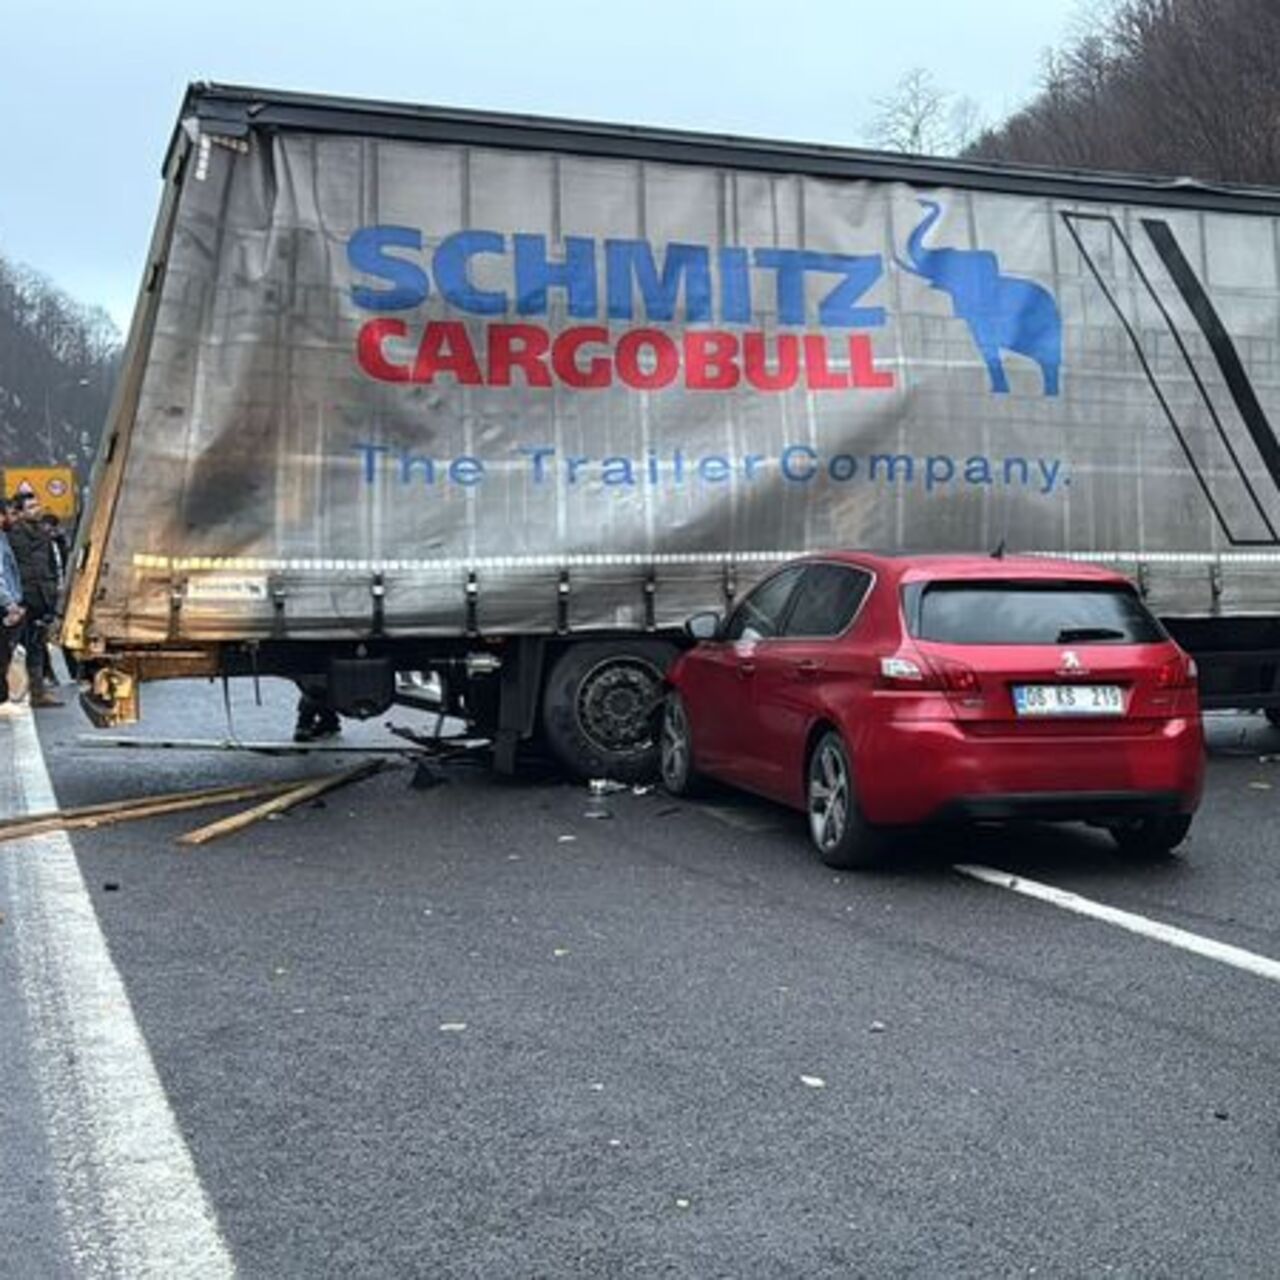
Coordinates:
(111, 812)
(280, 804)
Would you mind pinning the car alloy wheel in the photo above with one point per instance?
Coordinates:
(843, 837)
(676, 746)
(829, 795)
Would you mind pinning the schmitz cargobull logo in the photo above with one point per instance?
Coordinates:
(613, 295)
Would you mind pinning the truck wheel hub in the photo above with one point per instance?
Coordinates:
(615, 705)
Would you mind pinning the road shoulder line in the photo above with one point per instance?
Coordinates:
(128, 1192)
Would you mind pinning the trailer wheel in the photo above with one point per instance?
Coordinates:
(600, 707)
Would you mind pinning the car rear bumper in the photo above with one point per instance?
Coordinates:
(1063, 806)
(920, 771)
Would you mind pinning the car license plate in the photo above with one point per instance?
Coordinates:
(1068, 699)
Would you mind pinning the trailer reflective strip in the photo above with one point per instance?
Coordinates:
(128, 1193)
(251, 564)
(221, 564)
(1160, 557)
(1224, 953)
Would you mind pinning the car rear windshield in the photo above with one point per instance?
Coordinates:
(1028, 613)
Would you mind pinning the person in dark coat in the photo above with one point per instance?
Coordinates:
(38, 568)
(61, 558)
(11, 612)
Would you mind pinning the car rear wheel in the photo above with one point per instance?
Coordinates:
(1152, 837)
(843, 838)
(1273, 717)
(676, 748)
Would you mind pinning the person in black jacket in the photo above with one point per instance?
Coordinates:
(61, 549)
(11, 614)
(38, 568)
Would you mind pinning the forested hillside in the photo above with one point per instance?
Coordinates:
(1178, 87)
(58, 361)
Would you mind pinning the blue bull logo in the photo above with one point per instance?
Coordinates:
(1004, 313)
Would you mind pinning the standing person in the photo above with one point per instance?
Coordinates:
(11, 614)
(61, 554)
(33, 549)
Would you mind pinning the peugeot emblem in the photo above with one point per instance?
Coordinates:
(1070, 661)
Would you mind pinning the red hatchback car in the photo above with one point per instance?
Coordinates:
(877, 692)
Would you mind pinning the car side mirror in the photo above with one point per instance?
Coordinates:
(703, 626)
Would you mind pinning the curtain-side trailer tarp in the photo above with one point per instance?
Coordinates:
(452, 371)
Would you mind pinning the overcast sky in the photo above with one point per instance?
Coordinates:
(89, 89)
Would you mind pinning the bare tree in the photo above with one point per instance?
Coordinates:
(914, 117)
(965, 123)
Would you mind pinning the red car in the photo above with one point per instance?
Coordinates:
(879, 692)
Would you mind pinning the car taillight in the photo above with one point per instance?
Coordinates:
(956, 677)
(898, 672)
(935, 674)
(1177, 673)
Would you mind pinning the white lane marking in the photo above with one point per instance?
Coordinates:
(130, 1199)
(1224, 953)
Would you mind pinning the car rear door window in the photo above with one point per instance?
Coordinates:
(760, 615)
(1028, 613)
(826, 600)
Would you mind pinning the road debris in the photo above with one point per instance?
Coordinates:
(560, 951)
(97, 740)
(453, 1026)
(427, 775)
(280, 804)
(565, 839)
(442, 750)
(876, 1027)
(597, 789)
(814, 1082)
(110, 812)
(597, 808)
(605, 786)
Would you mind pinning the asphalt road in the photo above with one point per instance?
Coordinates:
(471, 1031)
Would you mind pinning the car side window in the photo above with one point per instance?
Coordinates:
(760, 615)
(826, 600)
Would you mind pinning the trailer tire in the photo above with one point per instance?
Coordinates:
(600, 707)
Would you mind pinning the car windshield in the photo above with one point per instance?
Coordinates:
(1028, 613)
